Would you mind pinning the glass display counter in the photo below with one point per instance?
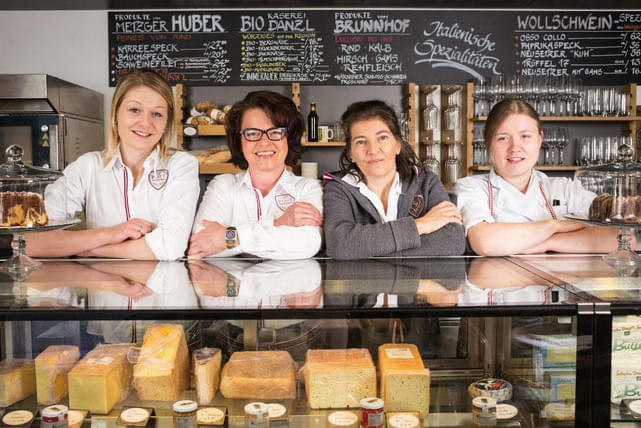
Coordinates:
(471, 318)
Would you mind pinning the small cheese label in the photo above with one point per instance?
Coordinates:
(209, 416)
(275, 410)
(17, 417)
(74, 418)
(134, 415)
(506, 411)
(403, 421)
(404, 353)
(635, 406)
(342, 418)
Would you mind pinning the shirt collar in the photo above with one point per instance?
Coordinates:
(353, 180)
(286, 181)
(499, 182)
(151, 162)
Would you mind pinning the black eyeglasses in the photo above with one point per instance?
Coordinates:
(276, 133)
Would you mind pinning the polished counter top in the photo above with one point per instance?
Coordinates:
(257, 288)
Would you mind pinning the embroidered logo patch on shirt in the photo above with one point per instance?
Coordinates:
(417, 206)
(158, 178)
(284, 201)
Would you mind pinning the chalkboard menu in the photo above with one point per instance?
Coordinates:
(374, 47)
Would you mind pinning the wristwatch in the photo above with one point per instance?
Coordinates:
(231, 286)
(230, 237)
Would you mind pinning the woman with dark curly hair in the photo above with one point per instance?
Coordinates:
(382, 203)
(266, 211)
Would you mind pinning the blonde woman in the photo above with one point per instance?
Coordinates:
(138, 200)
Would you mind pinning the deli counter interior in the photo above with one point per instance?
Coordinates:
(543, 340)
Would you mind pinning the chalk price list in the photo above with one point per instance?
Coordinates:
(281, 47)
(592, 45)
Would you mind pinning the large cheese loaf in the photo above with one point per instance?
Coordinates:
(264, 375)
(338, 378)
(101, 379)
(206, 373)
(405, 383)
(162, 370)
(17, 381)
(52, 366)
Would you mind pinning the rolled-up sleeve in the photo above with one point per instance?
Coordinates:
(168, 241)
(472, 201)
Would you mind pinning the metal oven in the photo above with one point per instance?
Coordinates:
(53, 120)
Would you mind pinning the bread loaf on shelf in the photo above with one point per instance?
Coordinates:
(338, 378)
(262, 375)
(405, 383)
(101, 379)
(52, 366)
(162, 370)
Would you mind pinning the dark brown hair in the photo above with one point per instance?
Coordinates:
(501, 111)
(281, 111)
(375, 109)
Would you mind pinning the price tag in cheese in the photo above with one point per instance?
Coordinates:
(134, 415)
(403, 420)
(210, 416)
(276, 410)
(404, 353)
(75, 418)
(506, 411)
(342, 419)
(635, 406)
(17, 418)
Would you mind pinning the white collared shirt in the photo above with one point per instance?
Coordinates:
(566, 196)
(106, 195)
(232, 200)
(392, 198)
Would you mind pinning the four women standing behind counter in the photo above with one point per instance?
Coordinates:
(139, 200)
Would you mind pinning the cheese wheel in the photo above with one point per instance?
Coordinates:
(498, 389)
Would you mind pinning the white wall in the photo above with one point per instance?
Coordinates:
(71, 45)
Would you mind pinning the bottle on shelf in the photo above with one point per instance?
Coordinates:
(312, 124)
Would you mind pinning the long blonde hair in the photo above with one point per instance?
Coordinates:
(152, 80)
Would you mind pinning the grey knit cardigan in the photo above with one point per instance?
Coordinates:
(354, 230)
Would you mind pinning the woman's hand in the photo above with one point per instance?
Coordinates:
(135, 228)
(300, 214)
(210, 240)
(441, 214)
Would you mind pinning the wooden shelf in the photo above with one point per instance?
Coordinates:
(216, 130)
(323, 144)
(577, 118)
(540, 168)
(218, 168)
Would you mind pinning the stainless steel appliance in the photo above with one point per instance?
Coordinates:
(53, 120)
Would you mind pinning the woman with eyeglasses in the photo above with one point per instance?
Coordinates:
(266, 210)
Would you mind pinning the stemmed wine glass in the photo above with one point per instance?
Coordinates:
(430, 112)
(431, 163)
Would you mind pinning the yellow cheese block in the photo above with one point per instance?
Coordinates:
(338, 378)
(206, 373)
(162, 370)
(263, 375)
(101, 379)
(405, 383)
(17, 381)
(52, 366)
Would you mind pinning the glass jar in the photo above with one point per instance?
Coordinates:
(54, 417)
(185, 414)
(372, 413)
(256, 415)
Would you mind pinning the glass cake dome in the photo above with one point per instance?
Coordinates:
(618, 200)
(22, 207)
